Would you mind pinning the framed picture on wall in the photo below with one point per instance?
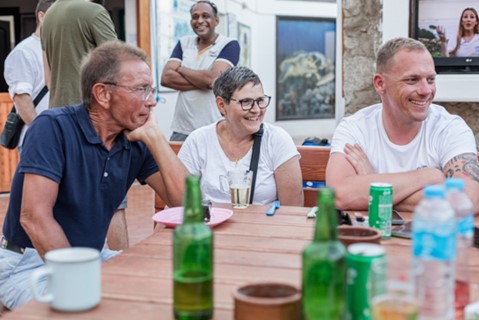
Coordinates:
(305, 68)
(244, 38)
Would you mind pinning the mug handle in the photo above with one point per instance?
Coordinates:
(37, 275)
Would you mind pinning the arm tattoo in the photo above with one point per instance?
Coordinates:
(465, 164)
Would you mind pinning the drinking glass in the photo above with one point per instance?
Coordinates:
(399, 302)
(239, 184)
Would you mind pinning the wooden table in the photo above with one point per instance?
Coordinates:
(250, 247)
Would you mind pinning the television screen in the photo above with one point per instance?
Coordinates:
(450, 31)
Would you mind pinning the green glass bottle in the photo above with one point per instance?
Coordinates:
(324, 265)
(193, 259)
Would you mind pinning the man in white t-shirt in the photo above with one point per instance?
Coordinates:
(24, 73)
(406, 140)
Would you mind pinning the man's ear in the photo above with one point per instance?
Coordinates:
(40, 17)
(378, 82)
(101, 94)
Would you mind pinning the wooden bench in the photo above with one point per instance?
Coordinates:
(313, 168)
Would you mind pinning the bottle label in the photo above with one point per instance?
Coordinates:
(465, 226)
(438, 244)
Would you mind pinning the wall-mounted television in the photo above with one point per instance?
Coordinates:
(430, 17)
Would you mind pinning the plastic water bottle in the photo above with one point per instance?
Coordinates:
(434, 252)
(464, 212)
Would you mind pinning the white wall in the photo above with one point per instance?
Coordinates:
(260, 15)
(452, 87)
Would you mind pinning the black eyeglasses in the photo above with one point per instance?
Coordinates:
(144, 91)
(248, 103)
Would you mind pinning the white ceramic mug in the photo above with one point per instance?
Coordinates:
(74, 279)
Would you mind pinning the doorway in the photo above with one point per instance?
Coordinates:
(17, 22)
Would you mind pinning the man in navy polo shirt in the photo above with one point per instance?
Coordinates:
(78, 163)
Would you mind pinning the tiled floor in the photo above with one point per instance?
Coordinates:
(138, 214)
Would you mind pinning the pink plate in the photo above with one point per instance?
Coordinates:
(172, 217)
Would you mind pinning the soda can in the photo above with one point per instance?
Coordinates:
(381, 207)
(365, 279)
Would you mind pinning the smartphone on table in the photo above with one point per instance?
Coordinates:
(397, 219)
(402, 231)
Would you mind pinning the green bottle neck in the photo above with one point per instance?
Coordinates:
(326, 220)
(192, 208)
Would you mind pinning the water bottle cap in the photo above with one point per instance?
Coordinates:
(434, 191)
(455, 183)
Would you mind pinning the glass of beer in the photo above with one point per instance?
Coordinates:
(392, 306)
(399, 302)
(239, 182)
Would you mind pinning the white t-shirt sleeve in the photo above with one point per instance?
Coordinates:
(345, 133)
(456, 138)
(190, 155)
(280, 147)
(20, 72)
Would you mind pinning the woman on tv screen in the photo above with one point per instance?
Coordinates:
(466, 43)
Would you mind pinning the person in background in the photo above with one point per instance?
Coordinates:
(195, 63)
(24, 73)
(213, 150)
(406, 140)
(71, 29)
(80, 162)
(466, 43)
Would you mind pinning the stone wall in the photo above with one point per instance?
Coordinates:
(362, 36)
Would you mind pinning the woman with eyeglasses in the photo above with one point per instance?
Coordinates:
(213, 150)
(466, 43)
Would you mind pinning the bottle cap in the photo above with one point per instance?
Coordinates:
(454, 183)
(434, 191)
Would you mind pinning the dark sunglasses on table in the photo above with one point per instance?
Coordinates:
(248, 103)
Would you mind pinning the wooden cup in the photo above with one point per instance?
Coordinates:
(349, 235)
(267, 301)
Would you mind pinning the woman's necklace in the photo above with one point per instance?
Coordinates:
(234, 152)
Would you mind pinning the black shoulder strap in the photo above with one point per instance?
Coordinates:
(255, 158)
(38, 98)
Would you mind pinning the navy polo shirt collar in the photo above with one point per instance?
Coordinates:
(89, 132)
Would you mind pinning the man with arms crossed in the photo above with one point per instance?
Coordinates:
(405, 140)
(78, 164)
(195, 63)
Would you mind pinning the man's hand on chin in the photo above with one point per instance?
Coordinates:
(148, 130)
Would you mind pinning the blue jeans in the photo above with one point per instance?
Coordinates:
(175, 136)
(16, 272)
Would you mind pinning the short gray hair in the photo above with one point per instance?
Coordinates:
(234, 79)
(387, 51)
(103, 64)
